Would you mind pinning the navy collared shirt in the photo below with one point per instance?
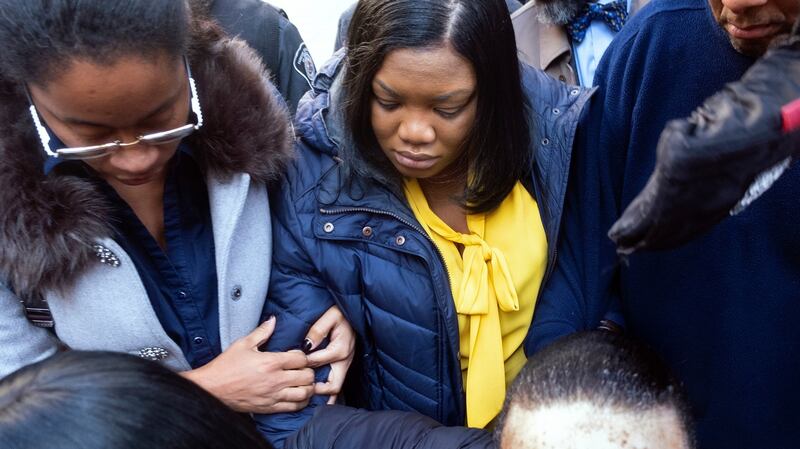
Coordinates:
(180, 280)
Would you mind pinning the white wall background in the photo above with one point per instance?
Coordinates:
(317, 21)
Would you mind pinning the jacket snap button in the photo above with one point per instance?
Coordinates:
(556, 111)
(574, 92)
(236, 293)
(328, 227)
(367, 231)
(400, 240)
(545, 141)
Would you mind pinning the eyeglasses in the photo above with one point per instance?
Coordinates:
(95, 151)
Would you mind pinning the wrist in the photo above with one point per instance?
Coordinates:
(199, 377)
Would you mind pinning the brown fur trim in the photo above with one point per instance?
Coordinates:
(48, 224)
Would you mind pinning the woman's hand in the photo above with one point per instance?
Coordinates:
(338, 354)
(251, 381)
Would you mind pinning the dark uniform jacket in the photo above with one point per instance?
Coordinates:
(268, 30)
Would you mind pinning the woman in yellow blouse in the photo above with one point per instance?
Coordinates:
(425, 202)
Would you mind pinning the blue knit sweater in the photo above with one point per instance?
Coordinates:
(724, 311)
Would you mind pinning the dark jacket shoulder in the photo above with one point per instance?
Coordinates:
(268, 30)
(340, 427)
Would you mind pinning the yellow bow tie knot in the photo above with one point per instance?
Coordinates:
(484, 268)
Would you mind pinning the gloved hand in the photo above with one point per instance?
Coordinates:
(720, 159)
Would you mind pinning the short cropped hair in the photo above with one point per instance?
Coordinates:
(98, 400)
(497, 148)
(601, 368)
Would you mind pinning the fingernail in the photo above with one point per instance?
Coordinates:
(271, 318)
(307, 345)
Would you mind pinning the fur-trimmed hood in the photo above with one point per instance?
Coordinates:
(49, 223)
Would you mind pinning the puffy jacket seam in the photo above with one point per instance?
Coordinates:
(389, 356)
(387, 392)
(361, 240)
(293, 272)
(395, 382)
(286, 310)
(395, 316)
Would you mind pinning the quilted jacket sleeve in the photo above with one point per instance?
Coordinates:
(339, 427)
(297, 298)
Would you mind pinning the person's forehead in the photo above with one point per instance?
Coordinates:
(114, 92)
(581, 425)
(426, 70)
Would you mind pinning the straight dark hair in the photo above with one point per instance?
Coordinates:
(100, 400)
(496, 149)
(40, 37)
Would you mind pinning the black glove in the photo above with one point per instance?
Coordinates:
(719, 160)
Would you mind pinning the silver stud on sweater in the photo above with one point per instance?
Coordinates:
(106, 256)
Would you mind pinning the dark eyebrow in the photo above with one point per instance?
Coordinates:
(388, 89)
(439, 99)
(159, 109)
(455, 93)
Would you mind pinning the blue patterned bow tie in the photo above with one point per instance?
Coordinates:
(614, 14)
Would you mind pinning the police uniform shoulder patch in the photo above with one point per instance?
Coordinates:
(304, 64)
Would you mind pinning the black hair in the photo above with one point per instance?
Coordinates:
(94, 400)
(604, 369)
(40, 36)
(496, 149)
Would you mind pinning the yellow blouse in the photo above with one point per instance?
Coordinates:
(495, 283)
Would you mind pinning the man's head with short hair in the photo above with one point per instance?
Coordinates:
(752, 25)
(595, 390)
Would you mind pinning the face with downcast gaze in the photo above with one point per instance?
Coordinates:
(93, 104)
(423, 108)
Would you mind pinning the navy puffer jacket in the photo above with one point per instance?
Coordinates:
(356, 243)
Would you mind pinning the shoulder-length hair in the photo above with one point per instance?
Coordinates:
(497, 147)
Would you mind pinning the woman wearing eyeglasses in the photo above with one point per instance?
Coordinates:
(136, 145)
(425, 203)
